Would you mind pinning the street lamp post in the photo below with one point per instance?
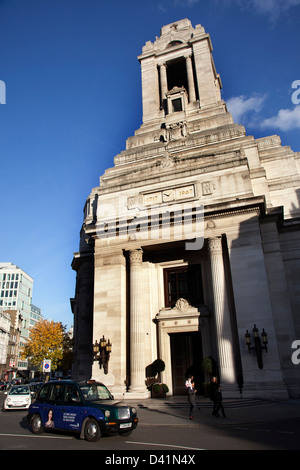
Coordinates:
(101, 353)
(258, 348)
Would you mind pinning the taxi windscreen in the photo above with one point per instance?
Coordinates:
(92, 392)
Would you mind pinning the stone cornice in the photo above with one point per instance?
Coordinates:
(147, 174)
(80, 258)
(196, 138)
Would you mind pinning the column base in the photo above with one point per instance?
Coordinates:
(117, 392)
(137, 393)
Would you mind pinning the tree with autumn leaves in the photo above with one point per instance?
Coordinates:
(48, 340)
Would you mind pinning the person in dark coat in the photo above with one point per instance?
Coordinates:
(212, 394)
(218, 399)
(190, 386)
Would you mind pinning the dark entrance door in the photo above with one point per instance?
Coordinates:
(186, 357)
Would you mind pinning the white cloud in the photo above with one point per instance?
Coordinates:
(246, 111)
(285, 120)
(271, 8)
(242, 107)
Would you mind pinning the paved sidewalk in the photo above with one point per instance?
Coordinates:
(238, 411)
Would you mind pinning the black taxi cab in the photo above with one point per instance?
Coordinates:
(84, 407)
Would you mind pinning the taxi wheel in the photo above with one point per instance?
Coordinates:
(36, 424)
(92, 430)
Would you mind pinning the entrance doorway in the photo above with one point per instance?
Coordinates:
(186, 358)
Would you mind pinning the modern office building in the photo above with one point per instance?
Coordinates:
(190, 245)
(16, 294)
(35, 315)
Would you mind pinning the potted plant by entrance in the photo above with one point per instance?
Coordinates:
(159, 390)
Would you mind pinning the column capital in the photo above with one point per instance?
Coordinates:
(163, 64)
(136, 257)
(215, 245)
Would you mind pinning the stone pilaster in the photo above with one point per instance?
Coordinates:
(110, 315)
(253, 296)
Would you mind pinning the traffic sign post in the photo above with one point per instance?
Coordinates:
(47, 366)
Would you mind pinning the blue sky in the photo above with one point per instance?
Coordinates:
(70, 94)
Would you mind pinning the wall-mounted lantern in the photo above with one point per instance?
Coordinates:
(257, 344)
(101, 353)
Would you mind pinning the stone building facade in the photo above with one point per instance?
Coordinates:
(191, 239)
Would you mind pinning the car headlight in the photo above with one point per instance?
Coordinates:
(133, 410)
(107, 414)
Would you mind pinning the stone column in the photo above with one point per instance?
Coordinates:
(222, 314)
(137, 336)
(163, 81)
(190, 76)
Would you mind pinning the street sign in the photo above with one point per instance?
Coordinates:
(47, 365)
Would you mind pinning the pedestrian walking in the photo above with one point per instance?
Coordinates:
(190, 386)
(212, 393)
(218, 400)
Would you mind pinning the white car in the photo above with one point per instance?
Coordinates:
(18, 398)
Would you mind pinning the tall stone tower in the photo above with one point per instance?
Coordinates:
(178, 80)
(190, 239)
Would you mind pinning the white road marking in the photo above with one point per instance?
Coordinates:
(163, 445)
(39, 437)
